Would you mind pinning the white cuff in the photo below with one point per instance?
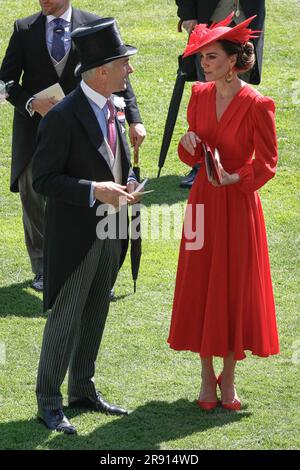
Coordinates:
(92, 194)
(130, 179)
(29, 109)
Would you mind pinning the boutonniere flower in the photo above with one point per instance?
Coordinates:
(119, 102)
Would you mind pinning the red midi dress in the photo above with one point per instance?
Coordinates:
(223, 299)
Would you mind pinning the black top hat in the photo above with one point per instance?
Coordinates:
(98, 43)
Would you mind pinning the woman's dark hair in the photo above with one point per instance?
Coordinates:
(245, 54)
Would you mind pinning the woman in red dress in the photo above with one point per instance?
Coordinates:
(223, 303)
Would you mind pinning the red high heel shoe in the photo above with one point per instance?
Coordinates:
(207, 405)
(233, 406)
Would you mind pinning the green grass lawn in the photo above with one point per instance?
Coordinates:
(135, 367)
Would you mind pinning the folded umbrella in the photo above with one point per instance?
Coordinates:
(136, 241)
(171, 117)
(189, 69)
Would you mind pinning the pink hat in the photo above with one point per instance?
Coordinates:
(203, 36)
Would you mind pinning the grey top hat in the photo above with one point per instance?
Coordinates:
(98, 43)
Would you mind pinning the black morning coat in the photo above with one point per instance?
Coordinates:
(65, 163)
(27, 54)
(202, 12)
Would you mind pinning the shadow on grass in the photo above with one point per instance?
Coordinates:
(146, 428)
(166, 191)
(16, 300)
(120, 297)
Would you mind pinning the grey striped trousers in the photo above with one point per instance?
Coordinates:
(75, 325)
(33, 207)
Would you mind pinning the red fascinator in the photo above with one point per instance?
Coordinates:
(203, 36)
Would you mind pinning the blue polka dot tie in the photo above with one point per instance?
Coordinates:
(58, 46)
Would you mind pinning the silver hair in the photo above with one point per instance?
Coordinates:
(89, 74)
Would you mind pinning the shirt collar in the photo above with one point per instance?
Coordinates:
(66, 16)
(93, 95)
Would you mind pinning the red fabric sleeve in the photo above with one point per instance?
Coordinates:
(185, 156)
(263, 167)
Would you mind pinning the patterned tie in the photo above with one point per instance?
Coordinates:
(58, 46)
(111, 127)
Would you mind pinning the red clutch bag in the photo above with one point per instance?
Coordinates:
(212, 160)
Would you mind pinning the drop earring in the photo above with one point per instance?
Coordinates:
(229, 76)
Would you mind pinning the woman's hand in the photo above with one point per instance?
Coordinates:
(189, 142)
(226, 178)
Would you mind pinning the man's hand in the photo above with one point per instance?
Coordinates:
(189, 25)
(131, 187)
(137, 133)
(189, 141)
(112, 193)
(43, 105)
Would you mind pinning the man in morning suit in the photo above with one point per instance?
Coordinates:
(40, 50)
(192, 12)
(81, 162)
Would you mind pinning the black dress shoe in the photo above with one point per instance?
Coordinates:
(112, 296)
(56, 420)
(38, 283)
(99, 404)
(187, 181)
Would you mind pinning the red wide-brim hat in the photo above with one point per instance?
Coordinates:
(202, 35)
